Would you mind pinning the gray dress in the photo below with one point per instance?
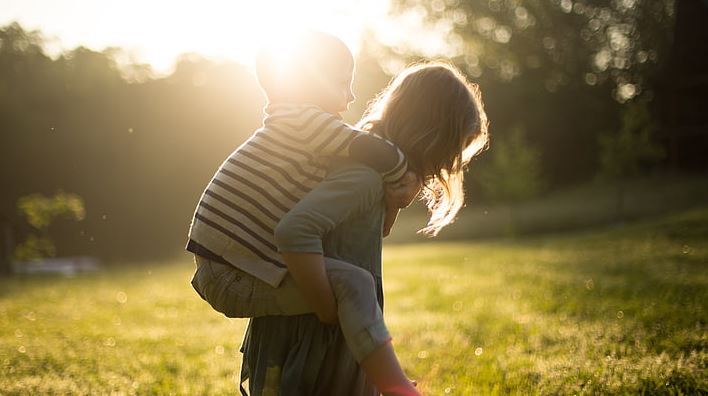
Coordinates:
(298, 355)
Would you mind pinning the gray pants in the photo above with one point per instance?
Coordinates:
(238, 294)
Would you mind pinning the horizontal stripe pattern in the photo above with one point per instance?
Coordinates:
(257, 252)
(265, 177)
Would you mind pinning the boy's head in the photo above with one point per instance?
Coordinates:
(314, 67)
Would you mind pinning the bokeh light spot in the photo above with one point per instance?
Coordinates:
(121, 297)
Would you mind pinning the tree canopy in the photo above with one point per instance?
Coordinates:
(139, 149)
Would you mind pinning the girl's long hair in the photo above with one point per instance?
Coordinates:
(436, 117)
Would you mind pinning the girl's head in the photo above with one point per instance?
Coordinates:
(437, 118)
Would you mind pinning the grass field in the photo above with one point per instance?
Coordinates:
(613, 311)
(576, 207)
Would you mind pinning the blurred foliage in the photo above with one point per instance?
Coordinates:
(139, 149)
(624, 151)
(511, 175)
(559, 68)
(513, 172)
(35, 248)
(40, 212)
(560, 41)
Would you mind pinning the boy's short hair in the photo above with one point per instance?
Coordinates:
(308, 64)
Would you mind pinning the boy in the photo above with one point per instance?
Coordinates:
(240, 271)
(281, 162)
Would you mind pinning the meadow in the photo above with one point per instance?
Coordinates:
(613, 310)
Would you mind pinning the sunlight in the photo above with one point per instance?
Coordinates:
(236, 30)
(240, 28)
(159, 31)
(280, 48)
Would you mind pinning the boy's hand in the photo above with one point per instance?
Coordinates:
(398, 196)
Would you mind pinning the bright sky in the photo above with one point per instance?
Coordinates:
(156, 31)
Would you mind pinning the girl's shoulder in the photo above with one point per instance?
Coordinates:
(358, 177)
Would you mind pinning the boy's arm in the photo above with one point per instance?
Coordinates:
(327, 135)
(379, 154)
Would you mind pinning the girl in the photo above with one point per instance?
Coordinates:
(437, 119)
(240, 270)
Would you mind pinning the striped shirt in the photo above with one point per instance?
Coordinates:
(268, 174)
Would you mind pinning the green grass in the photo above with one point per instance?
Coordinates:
(616, 311)
(589, 204)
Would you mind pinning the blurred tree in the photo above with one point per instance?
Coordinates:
(682, 99)
(512, 173)
(565, 40)
(623, 152)
(40, 212)
(7, 245)
(561, 68)
(138, 150)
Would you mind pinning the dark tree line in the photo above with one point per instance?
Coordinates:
(138, 149)
(138, 154)
(553, 67)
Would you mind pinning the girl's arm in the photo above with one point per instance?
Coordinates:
(299, 234)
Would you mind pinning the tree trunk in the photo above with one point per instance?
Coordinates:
(6, 246)
(685, 82)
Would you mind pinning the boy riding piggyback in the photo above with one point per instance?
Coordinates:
(243, 268)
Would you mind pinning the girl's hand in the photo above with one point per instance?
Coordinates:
(389, 219)
(398, 196)
(401, 194)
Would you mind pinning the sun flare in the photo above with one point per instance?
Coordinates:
(158, 31)
(235, 30)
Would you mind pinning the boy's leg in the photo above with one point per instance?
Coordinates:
(238, 294)
(358, 310)
(227, 289)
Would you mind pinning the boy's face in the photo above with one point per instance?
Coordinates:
(318, 70)
(339, 93)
